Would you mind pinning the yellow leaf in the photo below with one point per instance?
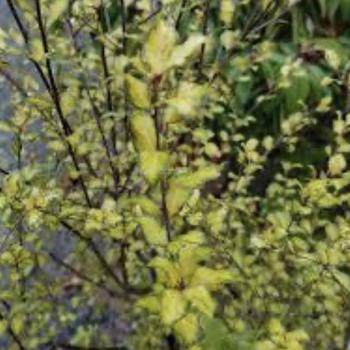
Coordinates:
(159, 47)
(166, 271)
(228, 39)
(147, 205)
(150, 303)
(181, 187)
(198, 177)
(275, 327)
(211, 279)
(153, 164)
(154, 233)
(56, 9)
(138, 92)
(176, 197)
(189, 258)
(187, 49)
(191, 239)
(336, 164)
(188, 99)
(187, 328)
(144, 132)
(3, 327)
(173, 306)
(227, 9)
(201, 299)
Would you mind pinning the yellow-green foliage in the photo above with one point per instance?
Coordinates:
(175, 175)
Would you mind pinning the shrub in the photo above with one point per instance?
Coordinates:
(176, 175)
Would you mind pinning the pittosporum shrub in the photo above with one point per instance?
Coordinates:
(174, 175)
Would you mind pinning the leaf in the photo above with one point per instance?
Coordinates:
(181, 187)
(198, 177)
(187, 101)
(176, 197)
(56, 9)
(187, 328)
(342, 278)
(150, 303)
(190, 257)
(191, 239)
(200, 298)
(166, 271)
(227, 10)
(144, 132)
(153, 164)
(336, 164)
(187, 49)
(173, 306)
(159, 47)
(147, 205)
(211, 279)
(138, 92)
(154, 233)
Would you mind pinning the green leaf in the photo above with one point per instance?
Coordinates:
(144, 132)
(139, 93)
(153, 164)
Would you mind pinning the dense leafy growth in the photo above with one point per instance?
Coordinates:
(175, 175)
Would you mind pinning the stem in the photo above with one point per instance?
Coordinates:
(204, 31)
(159, 131)
(97, 117)
(179, 17)
(124, 43)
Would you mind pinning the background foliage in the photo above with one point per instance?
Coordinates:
(176, 175)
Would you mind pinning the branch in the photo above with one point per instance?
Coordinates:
(107, 80)
(97, 116)
(80, 274)
(7, 75)
(56, 99)
(103, 262)
(26, 37)
(77, 347)
(126, 106)
(204, 32)
(13, 335)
